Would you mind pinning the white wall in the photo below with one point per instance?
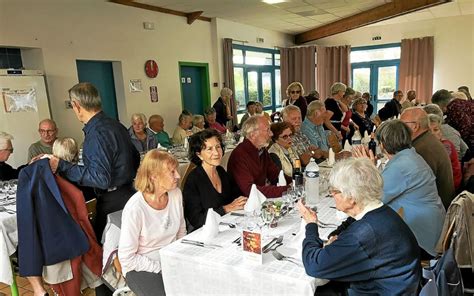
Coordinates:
(453, 45)
(97, 30)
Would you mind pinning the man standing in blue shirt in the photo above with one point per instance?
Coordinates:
(109, 157)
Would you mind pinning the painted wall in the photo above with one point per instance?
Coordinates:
(453, 47)
(97, 30)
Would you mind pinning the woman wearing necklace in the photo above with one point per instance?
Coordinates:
(142, 138)
(360, 117)
(209, 185)
(151, 219)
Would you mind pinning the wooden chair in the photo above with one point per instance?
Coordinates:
(191, 166)
(91, 206)
(334, 143)
(122, 291)
(401, 212)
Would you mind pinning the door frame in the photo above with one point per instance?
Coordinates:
(374, 75)
(206, 88)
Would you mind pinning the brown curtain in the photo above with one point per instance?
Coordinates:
(333, 65)
(297, 64)
(416, 67)
(229, 76)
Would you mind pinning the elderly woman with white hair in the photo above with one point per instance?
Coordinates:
(377, 253)
(142, 138)
(6, 148)
(409, 183)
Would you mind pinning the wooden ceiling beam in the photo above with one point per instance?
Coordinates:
(192, 16)
(163, 10)
(376, 14)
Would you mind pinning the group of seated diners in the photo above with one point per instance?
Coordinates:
(426, 152)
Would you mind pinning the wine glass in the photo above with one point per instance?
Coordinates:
(267, 215)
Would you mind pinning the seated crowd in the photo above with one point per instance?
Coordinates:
(424, 158)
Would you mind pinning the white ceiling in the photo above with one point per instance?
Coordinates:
(296, 16)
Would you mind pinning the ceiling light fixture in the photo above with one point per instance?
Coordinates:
(273, 1)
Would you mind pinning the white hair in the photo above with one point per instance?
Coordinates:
(4, 139)
(140, 116)
(359, 179)
(251, 124)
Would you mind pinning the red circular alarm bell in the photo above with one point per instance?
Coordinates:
(151, 69)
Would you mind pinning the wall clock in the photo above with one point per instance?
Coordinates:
(151, 69)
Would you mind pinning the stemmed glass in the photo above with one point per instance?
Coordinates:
(267, 215)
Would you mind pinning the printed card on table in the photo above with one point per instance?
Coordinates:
(252, 246)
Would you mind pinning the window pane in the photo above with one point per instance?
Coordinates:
(386, 83)
(238, 56)
(253, 85)
(239, 95)
(361, 79)
(277, 59)
(258, 58)
(277, 88)
(391, 53)
(267, 89)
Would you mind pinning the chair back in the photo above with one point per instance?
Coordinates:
(191, 166)
(91, 206)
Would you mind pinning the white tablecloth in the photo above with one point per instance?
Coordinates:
(192, 270)
(8, 241)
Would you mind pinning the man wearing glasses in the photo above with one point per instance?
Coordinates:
(48, 133)
(6, 148)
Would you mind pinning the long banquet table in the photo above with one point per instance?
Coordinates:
(8, 235)
(194, 270)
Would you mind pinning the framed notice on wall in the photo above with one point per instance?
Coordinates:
(154, 94)
(136, 85)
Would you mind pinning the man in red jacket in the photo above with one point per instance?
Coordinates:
(250, 162)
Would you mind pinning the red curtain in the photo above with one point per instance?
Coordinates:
(417, 66)
(333, 65)
(297, 64)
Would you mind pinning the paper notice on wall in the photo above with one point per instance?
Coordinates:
(136, 85)
(20, 100)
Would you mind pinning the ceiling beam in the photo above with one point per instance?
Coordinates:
(376, 14)
(192, 16)
(163, 10)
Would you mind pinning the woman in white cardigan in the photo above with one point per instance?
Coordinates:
(151, 219)
(281, 151)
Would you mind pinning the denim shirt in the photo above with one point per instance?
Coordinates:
(410, 183)
(316, 134)
(109, 157)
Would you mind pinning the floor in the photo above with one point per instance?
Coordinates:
(24, 289)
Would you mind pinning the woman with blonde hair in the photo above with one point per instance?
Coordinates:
(151, 219)
(295, 92)
(66, 149)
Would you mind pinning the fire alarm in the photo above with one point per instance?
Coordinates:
(151, 69)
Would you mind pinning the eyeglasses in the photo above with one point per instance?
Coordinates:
(295, 91)
(286, 137)
(334, 191)
(9, 150)
(42, 131)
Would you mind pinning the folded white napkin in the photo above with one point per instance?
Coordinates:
(281, 179)
(297, 240)
(211, 227)
(186, 143)
(347, 146)
(255, 200)
(241, 139)
(332, 157)
(366, 138)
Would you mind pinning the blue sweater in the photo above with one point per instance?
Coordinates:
(377, 254)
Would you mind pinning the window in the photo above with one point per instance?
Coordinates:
(256, 77)
(10, 58)
(375, 70)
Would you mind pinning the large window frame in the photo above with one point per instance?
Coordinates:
(260, 70)
(374, 67)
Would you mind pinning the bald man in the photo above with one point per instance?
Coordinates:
(157, 125)
(48, 133)
(432, 151)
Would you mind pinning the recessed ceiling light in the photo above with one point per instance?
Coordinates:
(273, 1)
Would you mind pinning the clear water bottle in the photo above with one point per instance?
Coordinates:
(311, 176)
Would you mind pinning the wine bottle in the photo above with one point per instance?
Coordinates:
(297, 173)
(373, 144)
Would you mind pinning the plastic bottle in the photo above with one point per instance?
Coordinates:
(311, 176)
(356, 138)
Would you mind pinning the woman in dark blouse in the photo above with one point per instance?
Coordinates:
(361, 118)
(208, 185)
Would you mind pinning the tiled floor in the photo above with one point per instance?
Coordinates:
(24, 289)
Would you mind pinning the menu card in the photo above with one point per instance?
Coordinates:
(252, 247)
